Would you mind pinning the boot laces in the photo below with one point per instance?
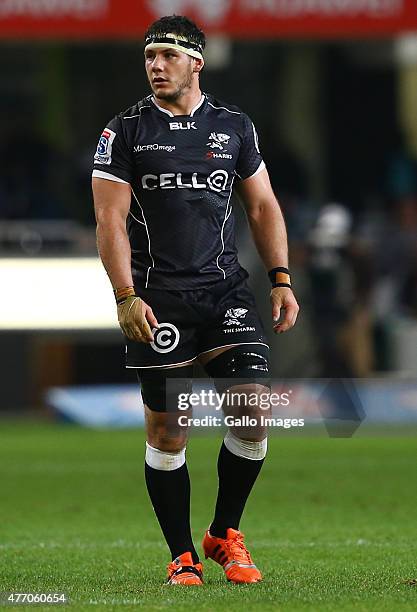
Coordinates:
(238, 550)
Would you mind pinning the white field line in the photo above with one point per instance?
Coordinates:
(70, 468)
(111, 602)
(78, 545)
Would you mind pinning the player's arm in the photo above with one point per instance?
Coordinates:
(111, 205)
(267, 226)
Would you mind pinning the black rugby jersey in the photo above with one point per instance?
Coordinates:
(181, 170)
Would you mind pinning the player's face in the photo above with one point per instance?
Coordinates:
(170, 73)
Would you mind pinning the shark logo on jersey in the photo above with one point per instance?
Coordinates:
(232, 323)
(233, 314)
(104, 147)
(218, 140)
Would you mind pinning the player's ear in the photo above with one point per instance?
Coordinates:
(198, 64)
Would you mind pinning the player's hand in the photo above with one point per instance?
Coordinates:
(283, 303)
(136, 319)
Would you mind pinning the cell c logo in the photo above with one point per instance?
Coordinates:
(166, 338)
(217, 180)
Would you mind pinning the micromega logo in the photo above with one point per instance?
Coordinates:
(206, 10)
(153, 147)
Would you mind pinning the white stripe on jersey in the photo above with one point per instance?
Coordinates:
(256, 139)
(134, 116)
(203, 97)
(260, 168)
(224, 108)
(170, 114)
(136, 219)
(149, 241)
(108, 177)
(165, 365)
(222, 230)
(164, 110)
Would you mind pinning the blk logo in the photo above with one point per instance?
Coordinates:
(189, 125)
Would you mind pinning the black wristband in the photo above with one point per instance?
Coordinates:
(280, 277)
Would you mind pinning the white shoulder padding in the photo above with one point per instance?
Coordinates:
(245, 448)
(161, 460)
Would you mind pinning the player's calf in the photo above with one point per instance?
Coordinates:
(160, 388)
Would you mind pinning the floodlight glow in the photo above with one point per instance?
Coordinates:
(52, 293)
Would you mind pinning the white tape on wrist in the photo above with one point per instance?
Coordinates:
(245, 448)
(161, 460)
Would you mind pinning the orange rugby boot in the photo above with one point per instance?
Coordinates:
(182, 570)
(232, 554)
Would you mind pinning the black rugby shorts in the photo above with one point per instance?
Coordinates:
(193, 322)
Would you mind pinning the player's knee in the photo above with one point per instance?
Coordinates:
(247, 424)
(164, 431)
(246, 449)
(161, 387)
(171, 439)
(243, 364)
(162, 459)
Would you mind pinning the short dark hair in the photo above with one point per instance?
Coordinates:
(177, 24)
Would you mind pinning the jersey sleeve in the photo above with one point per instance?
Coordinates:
(112, 159)
(250, 160)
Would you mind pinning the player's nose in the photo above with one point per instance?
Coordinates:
(157, 64)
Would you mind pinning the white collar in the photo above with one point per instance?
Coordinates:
(164, 110)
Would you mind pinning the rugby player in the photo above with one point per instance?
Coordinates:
(163, 178)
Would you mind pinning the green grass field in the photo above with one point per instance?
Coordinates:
(332, 522)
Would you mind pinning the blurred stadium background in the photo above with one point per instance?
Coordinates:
(332, 88)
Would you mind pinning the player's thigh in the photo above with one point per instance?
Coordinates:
(231, 319)
(242, 374)
(161, 389)
(175, 338)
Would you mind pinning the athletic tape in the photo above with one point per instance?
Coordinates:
(161, 460)
(190, 52)
(245, 448)
(174, 41)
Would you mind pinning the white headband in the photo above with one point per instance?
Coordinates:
(173, 41)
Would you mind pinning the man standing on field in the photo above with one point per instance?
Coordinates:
(163, 177)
